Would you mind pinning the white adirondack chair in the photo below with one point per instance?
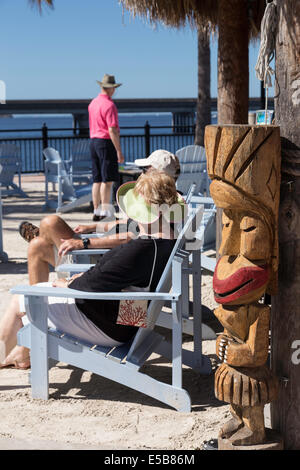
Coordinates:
(192, 161)
(10, 165)
(80, 162)
(56, 172)
(122, 364)
(193, 169)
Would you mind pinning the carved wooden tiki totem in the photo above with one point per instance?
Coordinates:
(244, 166)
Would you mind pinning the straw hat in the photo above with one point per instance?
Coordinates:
(108, 81)
(134, 206)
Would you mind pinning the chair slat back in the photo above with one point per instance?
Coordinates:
(55, 168)
(192, 160)
(165, 283)
(9, 163)
(53, 160)
(81, 157)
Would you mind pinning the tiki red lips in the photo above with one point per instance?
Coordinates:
(240, 283)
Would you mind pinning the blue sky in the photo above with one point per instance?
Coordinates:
(62, 53)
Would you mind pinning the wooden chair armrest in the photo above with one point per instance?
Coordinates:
(41, 291)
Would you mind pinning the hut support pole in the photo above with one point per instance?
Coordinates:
(285, 329)
(233, 69)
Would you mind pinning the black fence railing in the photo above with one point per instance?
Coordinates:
(136, 142)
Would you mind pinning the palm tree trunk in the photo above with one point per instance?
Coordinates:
(233, 68)
(203, 100)
(233, 72)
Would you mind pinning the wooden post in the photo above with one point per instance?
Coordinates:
(233, 69)
(285, 328)
(203, 116)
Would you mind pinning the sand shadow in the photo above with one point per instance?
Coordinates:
(199, 387)
(6, 388)
(14, 266)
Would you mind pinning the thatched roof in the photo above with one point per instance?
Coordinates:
(174, 12)
(178, 13)
(40, 3)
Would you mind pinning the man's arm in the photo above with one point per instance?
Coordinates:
(85, 228)
(100, 227)
(109, 241)
(115, 137)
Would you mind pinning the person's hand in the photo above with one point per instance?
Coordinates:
(120, 157)
(65, 282)
(84, 229)
(60, 283)
(75, 276)
(69, 245)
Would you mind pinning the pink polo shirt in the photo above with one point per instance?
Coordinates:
(103, 114)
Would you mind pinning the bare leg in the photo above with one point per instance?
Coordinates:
(96, 195)
(10, 324)
(40, 255)
(105, 192)
(53, 228)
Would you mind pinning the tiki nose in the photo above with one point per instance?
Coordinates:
(230, 245)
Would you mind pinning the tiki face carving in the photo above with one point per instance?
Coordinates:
(244, 166)
(244, 234)
(243, 271)
(243, 163)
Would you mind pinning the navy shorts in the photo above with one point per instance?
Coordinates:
(104, 161)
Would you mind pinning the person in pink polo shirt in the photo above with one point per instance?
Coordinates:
(105, 145)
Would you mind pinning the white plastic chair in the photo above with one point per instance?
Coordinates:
(193, 169)
(56, 172)
(10, 161)
(80, 162)
(122, 364)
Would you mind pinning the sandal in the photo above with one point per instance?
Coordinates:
(28, 231)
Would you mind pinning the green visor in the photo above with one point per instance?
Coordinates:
(134, 207)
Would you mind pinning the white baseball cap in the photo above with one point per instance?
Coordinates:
(162, 160)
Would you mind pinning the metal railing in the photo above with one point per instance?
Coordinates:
(136, 142)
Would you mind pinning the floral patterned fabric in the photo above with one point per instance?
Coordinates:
(133, 313)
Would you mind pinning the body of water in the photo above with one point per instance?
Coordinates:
(25, 131)
(34, 123)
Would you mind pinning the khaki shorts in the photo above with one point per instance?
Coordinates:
(65, 316)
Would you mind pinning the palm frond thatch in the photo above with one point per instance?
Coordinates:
(39, 3)
(177, 13)
(174, 13)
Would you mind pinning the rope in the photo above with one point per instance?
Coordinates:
(267, 45)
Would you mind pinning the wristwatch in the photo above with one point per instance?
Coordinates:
(86, 242)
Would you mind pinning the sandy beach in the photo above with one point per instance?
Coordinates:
(86, 411)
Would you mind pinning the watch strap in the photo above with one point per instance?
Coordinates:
(86, 242)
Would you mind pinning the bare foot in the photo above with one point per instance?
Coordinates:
(16, 365)
(18, 358)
